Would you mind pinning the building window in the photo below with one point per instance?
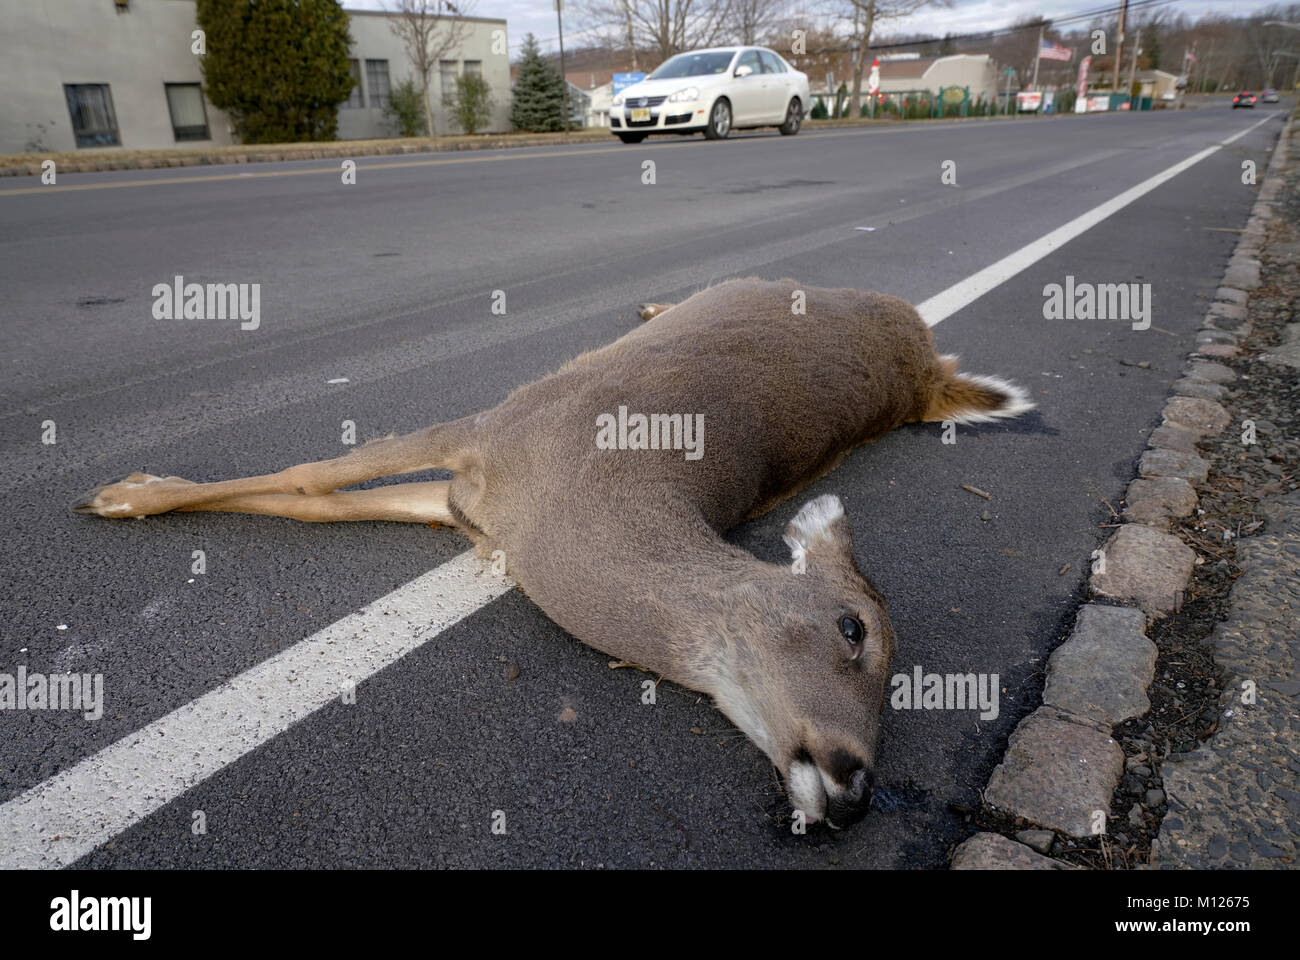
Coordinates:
(473, 68)
(447, 79)
(189, 115)
(377, 82)
(356, 99)
(93, 121)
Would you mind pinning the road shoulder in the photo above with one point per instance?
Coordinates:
(1168, 736)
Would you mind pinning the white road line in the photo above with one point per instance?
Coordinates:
(68, 815)
(943, 305)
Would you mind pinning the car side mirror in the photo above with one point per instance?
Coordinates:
(744, 70)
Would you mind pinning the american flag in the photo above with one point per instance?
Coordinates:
(1053, 51)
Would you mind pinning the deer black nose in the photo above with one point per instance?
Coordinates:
(850, 805)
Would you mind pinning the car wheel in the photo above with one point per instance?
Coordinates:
(719, 124)
(793, 119)
(631, 137)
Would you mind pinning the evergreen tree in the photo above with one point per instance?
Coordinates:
(279, 68)
(539, 93)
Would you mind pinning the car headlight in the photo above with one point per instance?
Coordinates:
(690, 93)
(618, 100)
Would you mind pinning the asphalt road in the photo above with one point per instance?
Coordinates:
(389, 283)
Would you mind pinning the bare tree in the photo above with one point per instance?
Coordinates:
(663, 27)
(864, 16)
(429, 30)
(751, 19)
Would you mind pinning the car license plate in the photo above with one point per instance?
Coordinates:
(641, 116)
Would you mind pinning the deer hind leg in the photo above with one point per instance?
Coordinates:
(400, 503)
(140, 494)
(648, 311)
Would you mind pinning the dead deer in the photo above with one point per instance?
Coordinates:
(623, 547)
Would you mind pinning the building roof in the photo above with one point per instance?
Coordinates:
(590, 79)
(905, 69)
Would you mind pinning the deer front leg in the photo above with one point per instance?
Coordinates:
(142, 494)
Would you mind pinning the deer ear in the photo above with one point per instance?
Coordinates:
(818, 526)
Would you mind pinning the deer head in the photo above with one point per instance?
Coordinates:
(805, 668)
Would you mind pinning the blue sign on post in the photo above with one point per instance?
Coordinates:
(624, 80)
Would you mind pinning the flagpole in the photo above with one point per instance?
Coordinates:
(1038, 54)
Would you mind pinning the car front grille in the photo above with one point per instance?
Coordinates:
(644, 101)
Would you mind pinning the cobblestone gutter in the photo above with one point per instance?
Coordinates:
(1096, 776)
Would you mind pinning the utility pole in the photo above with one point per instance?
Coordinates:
(1038, 53)
(564, 79)
(1119, 45)
(631, 37)
(1132, 68)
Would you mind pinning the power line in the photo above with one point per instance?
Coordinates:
(1001, 31)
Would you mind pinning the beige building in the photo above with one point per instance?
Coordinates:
(1157, 84)
(974, 70)
(105, 73)
(897, 75)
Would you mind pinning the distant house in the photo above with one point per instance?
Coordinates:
(1156, 84)
(974, 70)
(121, 73)
(596, 88)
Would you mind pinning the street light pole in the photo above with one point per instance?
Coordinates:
(1283, 53)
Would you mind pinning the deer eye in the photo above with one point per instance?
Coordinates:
(851, 628)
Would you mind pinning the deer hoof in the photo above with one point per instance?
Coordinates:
(132, 496)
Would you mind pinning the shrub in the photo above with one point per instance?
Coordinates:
(405, 109)
(472, 104)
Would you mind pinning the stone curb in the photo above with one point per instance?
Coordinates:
(1062, 765)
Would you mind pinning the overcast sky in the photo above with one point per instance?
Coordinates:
(965, 16)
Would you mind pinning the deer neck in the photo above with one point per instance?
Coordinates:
(706, 608)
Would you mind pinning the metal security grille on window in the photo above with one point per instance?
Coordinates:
(473, 68)
(189, 117)
(355, 100)
(377, 81)
(90, 105)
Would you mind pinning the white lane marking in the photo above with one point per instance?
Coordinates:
(65, 817)
(943, 305)
(68, 815)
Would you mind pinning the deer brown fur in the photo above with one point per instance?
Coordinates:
(623, 548)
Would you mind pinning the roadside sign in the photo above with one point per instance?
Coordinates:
(1029, 101)
(1081, 87)
(624, 80)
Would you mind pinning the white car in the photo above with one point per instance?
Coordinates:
(714, 92)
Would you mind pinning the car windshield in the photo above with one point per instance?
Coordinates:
(694, 65)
